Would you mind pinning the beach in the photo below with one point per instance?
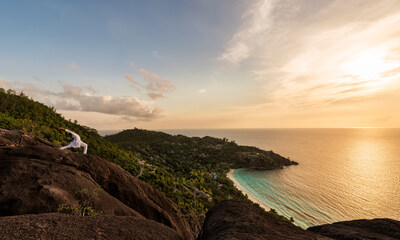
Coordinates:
(230, 175)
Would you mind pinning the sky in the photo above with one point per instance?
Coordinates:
(180, 64)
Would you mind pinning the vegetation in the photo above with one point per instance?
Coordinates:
(84, 205)
(184, 167)
(190, 171)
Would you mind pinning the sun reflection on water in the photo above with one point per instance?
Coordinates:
(367, 163)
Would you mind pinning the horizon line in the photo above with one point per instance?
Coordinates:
(155, 129)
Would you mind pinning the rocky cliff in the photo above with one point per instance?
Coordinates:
(380, 228)
(236, 220)
(37, 177)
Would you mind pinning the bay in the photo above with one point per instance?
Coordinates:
(343, 174)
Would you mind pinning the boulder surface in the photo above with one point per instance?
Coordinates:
(37, 177)
(66, 227)
(379, 228)
(236, 220)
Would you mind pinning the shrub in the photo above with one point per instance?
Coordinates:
(84, 205)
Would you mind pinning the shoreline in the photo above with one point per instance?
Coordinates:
(230, 175)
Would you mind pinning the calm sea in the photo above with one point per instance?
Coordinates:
(343, 174)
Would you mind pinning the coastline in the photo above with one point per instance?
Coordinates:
(230, 175)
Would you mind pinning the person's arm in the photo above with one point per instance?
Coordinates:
(74, 135)
(68, 131)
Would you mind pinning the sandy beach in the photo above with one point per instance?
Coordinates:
(230, 175)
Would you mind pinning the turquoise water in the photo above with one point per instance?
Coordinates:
(343, 174)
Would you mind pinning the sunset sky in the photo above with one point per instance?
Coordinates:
(207, 64)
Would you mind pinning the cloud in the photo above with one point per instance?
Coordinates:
(157, 55)
(156, 86)
(66, 104)
(350, 90)
(73, 66)
(130, 78)
(202, 90)
(71, 91)
(37, 79)
(130, 106)
(316, 53)
(79, 99)
(259, 22)
(90, 89)
(74, 98)
(132, 65)
(391, 72)
(28, 88)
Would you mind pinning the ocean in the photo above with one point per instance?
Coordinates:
(343, 174)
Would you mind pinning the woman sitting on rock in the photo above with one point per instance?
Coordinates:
(76, 143)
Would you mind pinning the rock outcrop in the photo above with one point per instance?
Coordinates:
(37, 177)
(66, 227)
(380, 228)
(236, 220)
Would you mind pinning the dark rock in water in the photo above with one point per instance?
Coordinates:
(37, 177)
(380, 228)
(236, 220)
(65, 227)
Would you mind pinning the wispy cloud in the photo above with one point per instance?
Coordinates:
(260, 21)
(257, 21)
(201, 91)
(156, 86)
(3, 83)
(37, 79)
(309, 53)
(157, 55)
(130, 78)
(73, 66)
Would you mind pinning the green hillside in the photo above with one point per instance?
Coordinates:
(195, 166)
(17, 111)
(184, 167)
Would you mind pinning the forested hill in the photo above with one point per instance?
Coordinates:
(193, 153)
(197, 165)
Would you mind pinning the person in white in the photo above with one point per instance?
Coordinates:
(76, 143)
